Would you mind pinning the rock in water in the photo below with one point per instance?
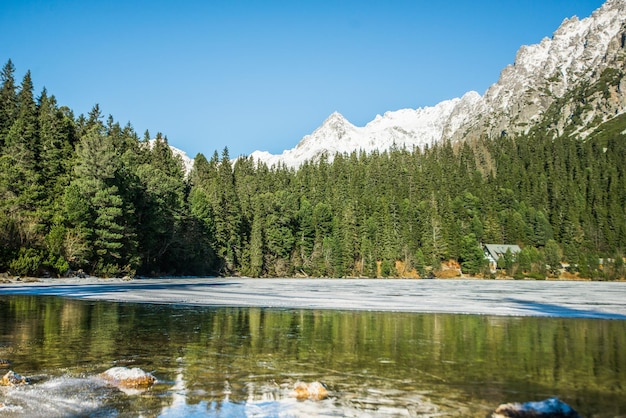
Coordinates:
(128, 378)
(13, 379)
(4, 363)
(314, 391)
(549, 408)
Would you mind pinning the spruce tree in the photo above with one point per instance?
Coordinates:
(227, 212)
(256, 246)
(21, 188)
(8, 101)
(95, 206)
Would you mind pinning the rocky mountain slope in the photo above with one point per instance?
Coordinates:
(583, 57)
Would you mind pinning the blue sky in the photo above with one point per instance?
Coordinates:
(262, 74)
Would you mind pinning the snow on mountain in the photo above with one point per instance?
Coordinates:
(406, 128)
(578, 50)
(187, 162)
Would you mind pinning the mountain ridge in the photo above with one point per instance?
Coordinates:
(578, 52)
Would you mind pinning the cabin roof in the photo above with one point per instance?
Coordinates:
(498, 250)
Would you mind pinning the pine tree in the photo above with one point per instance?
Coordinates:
(56, 135)
(22, 140)
(553, 256)
(471, 255)
(256, 247)
(8, 101)
(227, 214)
(95, 207)
(165, 222)
(306, 229)
(20, 186)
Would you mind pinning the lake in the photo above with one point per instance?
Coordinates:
(228, 361)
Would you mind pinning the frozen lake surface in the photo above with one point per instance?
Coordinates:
(238, 347)
(572, 299)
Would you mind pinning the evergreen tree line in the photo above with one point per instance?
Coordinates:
(85, 193)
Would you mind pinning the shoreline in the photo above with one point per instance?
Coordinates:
(17, 280)
(572, 299)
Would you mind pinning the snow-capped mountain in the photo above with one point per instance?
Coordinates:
(403, 128)
(577, 52)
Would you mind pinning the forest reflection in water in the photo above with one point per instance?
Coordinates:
(244, 361)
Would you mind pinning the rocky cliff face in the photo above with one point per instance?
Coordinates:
(576, 56)
(576, 78)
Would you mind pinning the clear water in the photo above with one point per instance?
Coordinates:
(245, 361)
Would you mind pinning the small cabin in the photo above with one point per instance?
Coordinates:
(493, 252)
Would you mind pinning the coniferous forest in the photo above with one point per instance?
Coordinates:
(86, 193)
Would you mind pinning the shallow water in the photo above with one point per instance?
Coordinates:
(245, 361)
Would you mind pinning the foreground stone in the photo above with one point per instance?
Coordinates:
(553, 408)
(314, 391)
(125, 377)
(13, 379)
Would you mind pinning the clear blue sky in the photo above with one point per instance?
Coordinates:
(262, 74)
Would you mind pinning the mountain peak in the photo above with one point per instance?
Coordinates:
(578, 51)
(335, 121)
(335, 115)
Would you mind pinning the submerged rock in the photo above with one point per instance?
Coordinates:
(314, 391)
(125, 377)
(13, 379)
(4, 363)
(553, 408)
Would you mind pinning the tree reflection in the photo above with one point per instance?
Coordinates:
(367, 359)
